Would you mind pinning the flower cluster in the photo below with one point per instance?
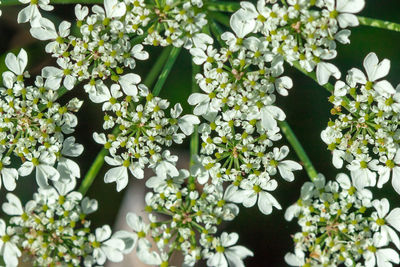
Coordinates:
(111, 41)
(185, 218)
(342, 224)
(301, 31)
(174, 23)
(53, 230)
(365, 132)
(110, 44)
(145, 132)
(239, 83)
(33, 124)
(238, 160)
(106, 49)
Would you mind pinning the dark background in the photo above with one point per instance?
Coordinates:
(306, 107)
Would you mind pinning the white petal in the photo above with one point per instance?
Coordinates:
(325, 71)
(186, 123)
(394, 218)
(9, 176)
(13, 206)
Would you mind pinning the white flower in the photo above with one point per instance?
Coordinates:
(141, 229)
(13, 206)
(391, 167)
(31, 13)
(285, 167)
(375, 70)
(186, 123)
(119, 174)
(8, 249)
(114, 8)
(226, 253)
(8, 175)
(258, 190)
(166, 166)
(47, 31)
(44, 170)
(17, 64)
(107, 247)
(326, 70)
(380, 257)
(269, 115)
(129, 83)
(345, 10)
(382, 218)
(295, 259)
(362, 171)
(242, 23)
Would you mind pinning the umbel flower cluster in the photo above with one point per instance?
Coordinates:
(52, 229)
(33, 125)
(342, 224)
(235, 129)
(365, 135)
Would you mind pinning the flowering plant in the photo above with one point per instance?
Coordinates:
(240, 52)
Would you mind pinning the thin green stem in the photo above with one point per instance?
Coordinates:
(313, 76)
(223, 6)
(166, 70)
(95, 168)
(381, 24)
(219, 17)
(216, 31)
(64, 2)
(329, 87)
(152, 75)
(298, 148)
(194, 139)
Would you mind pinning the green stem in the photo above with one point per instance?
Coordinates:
(166, 70)
(291, 137)
(152, 75)
(216, 31)
(329, 87)
(381, 24)
(194, 139)
(16, 2)
(221, 18)
(223, 6)
(313, 76)
(95, 168)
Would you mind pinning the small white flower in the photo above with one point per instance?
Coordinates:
(31, 13)
(106, 246)
(228, 254)
(9, 250)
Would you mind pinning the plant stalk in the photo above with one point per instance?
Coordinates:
(223, 6)
(381, 24)
(166, 70)
(298, 148)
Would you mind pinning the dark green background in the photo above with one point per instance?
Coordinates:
(306, 107)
